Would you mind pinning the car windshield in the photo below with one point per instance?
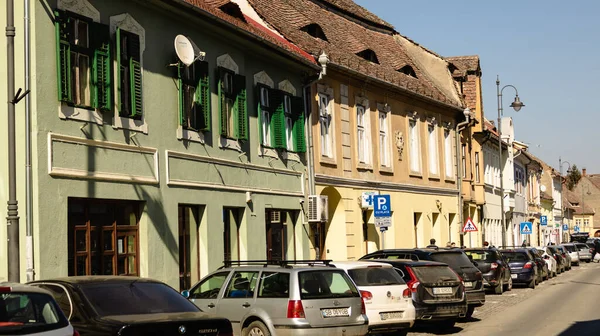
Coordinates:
(324, 284)
(375, 276)
(582, 247)
(430, 274)
(456, 260)
(30, 313)
(570, 248)
(131, 298)
(516, 256)
(482, 255)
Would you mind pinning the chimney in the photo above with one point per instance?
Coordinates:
(583, 172)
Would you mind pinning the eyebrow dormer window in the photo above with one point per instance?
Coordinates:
(234, 10)
(408, 70)
(315, 31)
(369, 55)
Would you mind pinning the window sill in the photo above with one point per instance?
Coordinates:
(189, 135)
(67, 112)
(232, 144)
(364, 166)
(415, 174)
(386, 170)
(291, 156)
(328, 161)
(266, 151)
(434, 177)
(449, 179)
(130, 124)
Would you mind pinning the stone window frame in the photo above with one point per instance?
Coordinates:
(388, 166)
(449, 170)
(433, 130)
(227, 62)
(413, 116)
(367, 164)
(327, 91)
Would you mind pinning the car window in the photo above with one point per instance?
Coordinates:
(325, 284)
(131, 298)
(274, 285)
(430, 274)
(402, 273)
(209, 287)
(516, 256)
(375, 276)
(29, 313)
(582, 247)
(485, 256)
(60, 295)
(455, 260)
(570, 248)
(242, 285)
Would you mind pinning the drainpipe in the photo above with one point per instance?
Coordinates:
(459, 173)
(28, 178)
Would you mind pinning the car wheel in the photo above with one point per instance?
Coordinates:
(532, 284)
(499, 288)
(509, 286)
(401, 332)
(256, 328)
(446, 324)
(470, 311)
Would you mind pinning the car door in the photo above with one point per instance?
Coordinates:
(206, 293)
(238, 298)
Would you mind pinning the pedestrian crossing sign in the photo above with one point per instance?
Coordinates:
(469, 226)
(526, 228)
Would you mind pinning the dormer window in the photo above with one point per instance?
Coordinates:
(315, 31)
(369, 55)
(408, 70)
(234, 10)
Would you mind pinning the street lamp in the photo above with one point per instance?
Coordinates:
(562, 207)
(516, 105)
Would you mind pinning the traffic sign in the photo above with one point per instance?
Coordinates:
(526, 228)
(382, 206)
(469, 226)
(565, 227)
(576, 229)
(367, 199)
(382, 222)
(543, 220)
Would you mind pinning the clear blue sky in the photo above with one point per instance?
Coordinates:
(549, 50)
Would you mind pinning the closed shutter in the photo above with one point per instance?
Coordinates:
(298, 119)
(239, 85)
(101, 67)
(222, 105)
(278, 119)
(64, 32)
(182, 114)
(135, 71)
(203, 96)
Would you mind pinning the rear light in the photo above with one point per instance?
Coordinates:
(406, 293)
(413, 284)
(295, 309)
(363, 309)
(528, 265)
(494, 265)
(5, 289)
(75, 333)
(366, 295)
(478, 275)
(556, 257)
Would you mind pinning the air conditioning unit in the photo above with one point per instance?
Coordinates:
(275, 217)
(317, 209)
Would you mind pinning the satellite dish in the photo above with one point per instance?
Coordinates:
(543, 188)
(184, 48)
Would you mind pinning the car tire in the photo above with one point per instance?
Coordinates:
(499, 288)
(256, 328)
(532, 284)
(401, 332)
(470, 311)
(445, 324)
(509, 285)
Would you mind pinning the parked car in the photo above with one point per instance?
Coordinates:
(550, 261)
(125, 305)
(496, 273)
(438, 293)
(28, 310)
(573, 252)
(455, 258)
(288, 298)
(566, 256)
(543, 272)
(388, 299)
(585, 253)
(522, 264)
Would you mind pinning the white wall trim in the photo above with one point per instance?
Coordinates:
(189, 135)
(287, 86)
(263, 78)
(225, 61)
(81, 7)
(67, 112)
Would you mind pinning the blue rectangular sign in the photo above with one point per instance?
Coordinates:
(543, 220)
(526, 228)
(565, 227)
(382, 206)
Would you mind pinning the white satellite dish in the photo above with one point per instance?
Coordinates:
(543, 188)
(184, 48)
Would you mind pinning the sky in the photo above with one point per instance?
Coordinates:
(549, 50)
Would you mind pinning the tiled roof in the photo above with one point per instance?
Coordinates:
(345, 38)
(594, 178)
(255, 30)
(576, 204)
(359, 12)
(465, 63)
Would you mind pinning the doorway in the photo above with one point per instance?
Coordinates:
(189, 241)
(276, 229)
(232, 218)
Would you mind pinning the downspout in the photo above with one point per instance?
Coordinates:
(459, 128)
(28, 178)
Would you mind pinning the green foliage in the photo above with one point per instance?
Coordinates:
(573, 177)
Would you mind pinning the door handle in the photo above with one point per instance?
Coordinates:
(246, 305)
(211, 305)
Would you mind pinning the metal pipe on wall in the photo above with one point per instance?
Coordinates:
(28, 178)
(459, 173)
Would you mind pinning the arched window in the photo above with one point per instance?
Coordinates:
(315, 31)
(369, 55)
(408, 70)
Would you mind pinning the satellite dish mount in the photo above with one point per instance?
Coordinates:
(187, 51)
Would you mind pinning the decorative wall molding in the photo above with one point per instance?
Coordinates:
(127, 22)
(81, 7)
(263, 78)
(412, 114)
(189, 135)
(399, 142)
(287, 86)
(388, 186)
(362, 100)
(225, 61)
(384, 107)
(325, 89)
(67, 112)
(432, 121)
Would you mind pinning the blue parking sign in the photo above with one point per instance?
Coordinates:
(543, 220)
(382, 206)
(565, 227)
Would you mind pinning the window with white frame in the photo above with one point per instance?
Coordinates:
(361, 136)
(415, 153)
(384, 154)
(464, 160)
(578, 222)
(448, 153)
(586, 222)
(265, 115)
(477, 177)
(433, 149)
(325, 118)
(289, 122)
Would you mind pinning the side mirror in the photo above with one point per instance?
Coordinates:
(475, 263)
(186, 294)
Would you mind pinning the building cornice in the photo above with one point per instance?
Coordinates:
(389, 186)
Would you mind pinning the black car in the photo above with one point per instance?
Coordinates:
(543, 272)
(455, 258)
(120, 305)
(523, 267)
(491, 263)
(561, 262)
(438, 293)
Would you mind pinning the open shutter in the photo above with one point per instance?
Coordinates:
(64, 30)
(239, 85)
(202, 96)
(298, 119)
(122, 73)
(101, 66)
(222, 105)
(259, 113)
(278, 119)
(135, 73)
(182, 114)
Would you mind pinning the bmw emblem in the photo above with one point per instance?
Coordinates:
(182, 329)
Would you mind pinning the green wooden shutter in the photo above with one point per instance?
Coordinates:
(239, 85)
(120, 88)
(278, 119)
(202, 106)
(101, 66)
(222, 105)
(298, 119)
(63, 27)
(182, 115)
(135, 73)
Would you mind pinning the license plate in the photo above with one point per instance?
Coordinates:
(442, 290)
(336, 312)
(468, 284)
(514, 276)
(391, 316)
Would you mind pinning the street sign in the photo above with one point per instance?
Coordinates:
(543, 220)
(576, 229)
(382, 206)
(565, 227)
(469, 226)
(367, 199)
(383, 222)
(526, 228)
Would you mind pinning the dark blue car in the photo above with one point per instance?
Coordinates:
(523, 267)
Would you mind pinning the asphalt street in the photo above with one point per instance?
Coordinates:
(567, 305)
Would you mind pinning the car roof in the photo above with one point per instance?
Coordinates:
(358, 264)
(19, 287)
(76, 280)
(523, 249)
(421, 250)
(480, 249)
(409, 262)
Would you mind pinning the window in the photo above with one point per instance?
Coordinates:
(274, 285)
(477, 177)
(315, 31)
(586, 222)
(326, 131)
(408, 70)
(415, 158)
(83, 56)
(368, 55)
(448, 153)
(194, 96)
(264, 113)
(129, 74)
(210, 287)
(384, 151)
(326, 284)
(232, 105)
(242, 285)
(103, 237)
(289, 124)
(281, 119)
(433, 150)
(362, 134)
(464, 161)
(29, 313)
(578, 222)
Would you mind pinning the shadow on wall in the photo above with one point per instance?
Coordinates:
(582, 328)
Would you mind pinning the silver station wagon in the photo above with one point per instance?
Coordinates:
(283, 298)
